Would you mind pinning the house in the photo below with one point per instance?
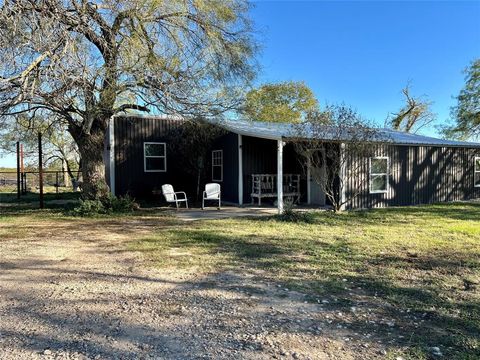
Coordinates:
(252, 160)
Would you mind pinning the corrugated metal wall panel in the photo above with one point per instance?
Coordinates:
(418, 175)
(229, 145)
(130, 134)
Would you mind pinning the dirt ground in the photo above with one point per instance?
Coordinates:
(74, 291)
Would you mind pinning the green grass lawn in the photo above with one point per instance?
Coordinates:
(417, 265)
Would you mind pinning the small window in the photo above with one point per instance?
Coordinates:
(476, 175)
(379, 175)
(154, 157)
(217, 165)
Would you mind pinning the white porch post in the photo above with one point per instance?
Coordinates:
(280, 145)
(111, 136)
(342, 175)
(309, 182)
(240, 170)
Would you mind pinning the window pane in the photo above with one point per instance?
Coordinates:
(155, 164)
(154, 149)
(217, 173)
(379, 166)
(378, 183)
(217, 161)
(477, 164)
(477, 179)
(217, 157)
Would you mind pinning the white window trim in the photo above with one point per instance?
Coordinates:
(221, 165)
(370, 175)
(475, 170)
(145, 156)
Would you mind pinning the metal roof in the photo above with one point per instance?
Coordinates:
(283, 131)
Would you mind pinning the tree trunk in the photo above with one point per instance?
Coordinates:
(91, 147)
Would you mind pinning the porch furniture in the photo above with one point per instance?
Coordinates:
(265, 186)
(173, 197)
(212, 192)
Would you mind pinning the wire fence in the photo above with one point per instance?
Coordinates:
(53, 182)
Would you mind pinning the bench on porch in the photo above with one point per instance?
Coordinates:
(265, 186)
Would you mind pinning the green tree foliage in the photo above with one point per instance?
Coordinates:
(283, 102)
(81, 62)
(466, 113)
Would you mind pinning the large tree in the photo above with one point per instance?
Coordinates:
(83, 62)
(414, 115)
(466, 113)
(280, 102)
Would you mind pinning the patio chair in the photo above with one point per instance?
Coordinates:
(173, 197)
(212, 192)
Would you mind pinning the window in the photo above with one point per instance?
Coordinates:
(379, 175)
(154, 157)
(476, 174)
(217, 165)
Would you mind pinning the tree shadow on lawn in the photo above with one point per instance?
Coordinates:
(425, 314)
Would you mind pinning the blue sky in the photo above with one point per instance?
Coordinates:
(363, 53)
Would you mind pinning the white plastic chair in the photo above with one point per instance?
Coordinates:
(212, 192)
(172, 197)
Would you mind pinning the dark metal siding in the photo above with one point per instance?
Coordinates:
(418, 175)
(130, 177)
(229, 144)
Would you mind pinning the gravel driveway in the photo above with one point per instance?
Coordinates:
(71, 290)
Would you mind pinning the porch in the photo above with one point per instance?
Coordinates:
(272, 172)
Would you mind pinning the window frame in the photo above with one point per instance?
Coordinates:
(476, 171)
(370, 175)
(145, 156)
(221, 165)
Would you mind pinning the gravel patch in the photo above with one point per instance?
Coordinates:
(72, 291)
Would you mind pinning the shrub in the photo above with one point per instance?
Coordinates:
(292, 215)
(124, 204)
(89, 208)
(108, 205)
(295, 216)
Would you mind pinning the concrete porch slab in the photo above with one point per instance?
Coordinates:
(224, 213)
(228, 212)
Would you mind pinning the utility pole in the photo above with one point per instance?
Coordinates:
(40, 168)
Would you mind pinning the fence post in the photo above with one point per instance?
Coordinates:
(18, 169)
(24, 183)
(56, 183)
(40, 169)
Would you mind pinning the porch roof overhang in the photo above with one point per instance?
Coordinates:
(283, 131)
